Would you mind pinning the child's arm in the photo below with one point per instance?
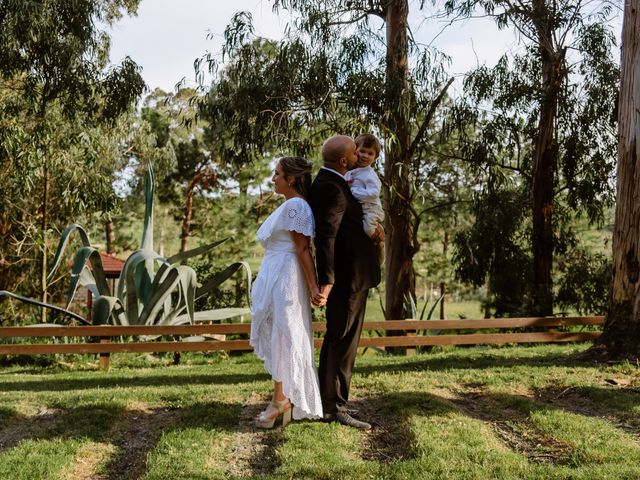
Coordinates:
(366, 187)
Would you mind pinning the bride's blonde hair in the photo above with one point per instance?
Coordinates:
(300, 169)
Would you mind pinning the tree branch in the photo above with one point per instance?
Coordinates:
(442, 205)
(429, 116)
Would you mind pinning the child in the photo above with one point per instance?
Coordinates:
(365, 186)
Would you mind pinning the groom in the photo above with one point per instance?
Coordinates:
(347, 265)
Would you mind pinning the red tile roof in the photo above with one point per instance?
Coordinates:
(112, 265)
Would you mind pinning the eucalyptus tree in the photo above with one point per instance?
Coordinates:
(54, 55)
(334, 72)
(187, 163)
(239, 128)
(552, 117)
(621, 335)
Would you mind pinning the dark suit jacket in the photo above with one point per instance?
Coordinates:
(345, 255)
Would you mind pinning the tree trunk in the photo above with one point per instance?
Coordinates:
(443, 285)
(43, 253)
(400, 249)
(545, 160)
(621, 335)
(110, 236)
(188, 213)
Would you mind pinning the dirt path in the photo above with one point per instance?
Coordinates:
(34, 426)
(389, 439)
(569, 399)
(512, 426)
(135, 434)
(254, 452)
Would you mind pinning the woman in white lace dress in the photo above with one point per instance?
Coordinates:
(281, 330)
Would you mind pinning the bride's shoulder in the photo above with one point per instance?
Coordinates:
(297, 202)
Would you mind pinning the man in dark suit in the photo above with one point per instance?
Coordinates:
(347, 266)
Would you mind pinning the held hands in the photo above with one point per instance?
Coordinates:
(320, 295)
(318, 300)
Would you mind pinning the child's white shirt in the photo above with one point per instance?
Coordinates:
(365, 186)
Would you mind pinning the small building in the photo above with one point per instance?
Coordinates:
(83, 301)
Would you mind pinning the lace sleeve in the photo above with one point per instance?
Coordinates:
(297, 216)
(293, 215)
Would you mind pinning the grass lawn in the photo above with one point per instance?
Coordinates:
(460, 413)
(453, 310)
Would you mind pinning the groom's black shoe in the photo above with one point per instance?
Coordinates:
(345, 419)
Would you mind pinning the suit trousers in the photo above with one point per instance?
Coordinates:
(345, 314)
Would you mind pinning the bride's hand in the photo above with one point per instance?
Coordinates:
(317, 298)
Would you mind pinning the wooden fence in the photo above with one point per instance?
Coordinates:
(109, 339)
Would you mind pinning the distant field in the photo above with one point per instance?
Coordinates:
(452, 310)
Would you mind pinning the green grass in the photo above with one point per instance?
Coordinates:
(462, 413)
(453, 310)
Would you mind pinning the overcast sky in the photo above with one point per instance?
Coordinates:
(168, 35)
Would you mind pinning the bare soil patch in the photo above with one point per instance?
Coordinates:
(569, 399)
(135, 434)
(88, 460)
(389, 439)
(254, 449)
(26, 427)
(512, 426)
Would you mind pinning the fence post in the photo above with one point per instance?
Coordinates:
(410, 351)
(104, 356)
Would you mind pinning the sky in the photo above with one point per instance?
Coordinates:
(168, 35)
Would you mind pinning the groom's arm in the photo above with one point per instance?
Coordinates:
(330, 204)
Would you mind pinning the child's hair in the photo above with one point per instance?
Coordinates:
(300, 170)
(368, 140)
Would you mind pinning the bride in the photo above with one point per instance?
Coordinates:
(281, 330)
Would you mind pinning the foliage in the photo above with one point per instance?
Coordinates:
(585, 285)
(545, 118)
(53, 71)
(144, 296)
(82, 157)
(332, 74)
(58, 52)
(494, 250)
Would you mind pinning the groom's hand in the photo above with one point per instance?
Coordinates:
(325, 290)
(378, 235)
(317, 298)
(320, 299)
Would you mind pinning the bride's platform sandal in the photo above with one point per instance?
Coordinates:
(283, 408)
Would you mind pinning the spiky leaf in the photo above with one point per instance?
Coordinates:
(64, 240)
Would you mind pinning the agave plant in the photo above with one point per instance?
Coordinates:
(152, 290)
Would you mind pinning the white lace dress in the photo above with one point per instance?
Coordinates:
(281, 331)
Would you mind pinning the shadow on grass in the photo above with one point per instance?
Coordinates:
(510, 416)
(89, 422)
(618, 406)
(101, 381)
(391, 438)
(480, 360)
(135, 433)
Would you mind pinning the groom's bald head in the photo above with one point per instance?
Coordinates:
(336, 148)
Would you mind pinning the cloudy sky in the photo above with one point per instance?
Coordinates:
(168, 35)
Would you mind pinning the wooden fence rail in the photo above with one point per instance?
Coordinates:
(408, 333)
